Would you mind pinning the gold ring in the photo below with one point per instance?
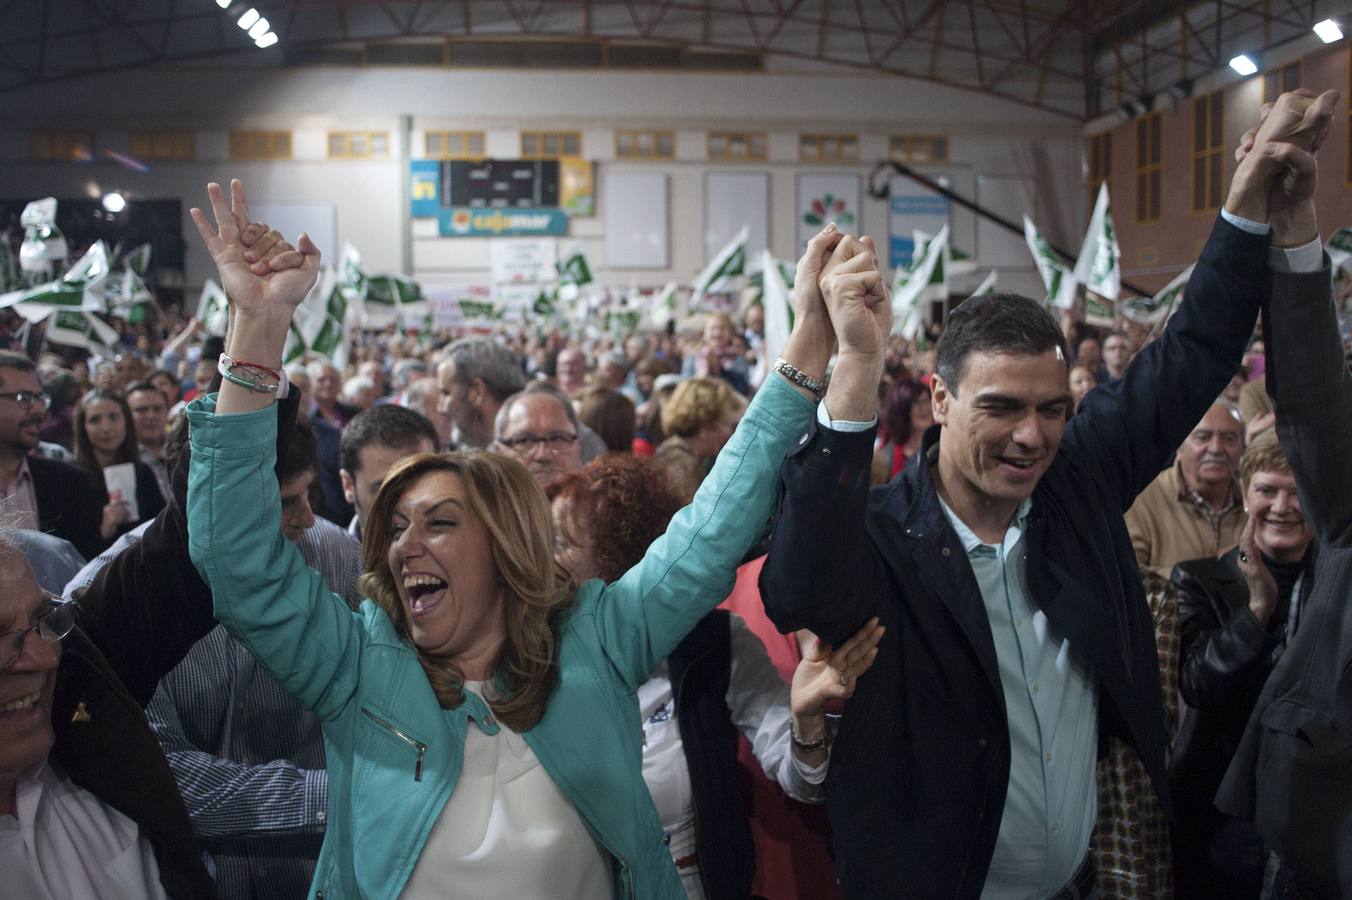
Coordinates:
(844, 680)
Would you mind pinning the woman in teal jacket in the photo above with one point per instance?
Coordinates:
(472, 634)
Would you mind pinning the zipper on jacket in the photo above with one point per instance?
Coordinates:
(415, 744)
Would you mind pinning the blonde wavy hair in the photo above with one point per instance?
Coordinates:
(513, 509)
(698, 402)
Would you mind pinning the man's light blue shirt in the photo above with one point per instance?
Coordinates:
(1052, 712)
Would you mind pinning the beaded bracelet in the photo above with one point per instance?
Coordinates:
(799, 377)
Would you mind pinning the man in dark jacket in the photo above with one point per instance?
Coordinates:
(1017, 630)
(44, 494)
(1292, 774)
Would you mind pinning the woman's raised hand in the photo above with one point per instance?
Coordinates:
(264, 276)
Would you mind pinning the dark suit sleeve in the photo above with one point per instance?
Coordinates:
(1128, 429)
(148, 606)
(814, 576)
(1311, 390)
(1218, 660)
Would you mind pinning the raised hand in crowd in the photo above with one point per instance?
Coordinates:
(1276, 176)
(265, 283)
(858, 302)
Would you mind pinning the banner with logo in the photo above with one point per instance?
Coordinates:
(464, 221)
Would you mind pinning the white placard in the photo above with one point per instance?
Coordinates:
(634, 209)
(522, 260)
(733, 200)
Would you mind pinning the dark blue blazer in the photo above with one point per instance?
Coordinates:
(920, 768)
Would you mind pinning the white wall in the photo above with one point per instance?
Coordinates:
(987, 137)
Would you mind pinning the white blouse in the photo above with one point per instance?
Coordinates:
(759, 701)
(508, 831)
(64, 843)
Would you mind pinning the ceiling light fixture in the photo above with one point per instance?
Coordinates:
(252, 15)
(1243, 65)
(259, 29)
(1328, 31)
(114, 202)
(266, 40)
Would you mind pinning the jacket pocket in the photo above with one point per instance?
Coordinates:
(416, 746)
(1316, 735)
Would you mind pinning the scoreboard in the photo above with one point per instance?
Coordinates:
(500, 183)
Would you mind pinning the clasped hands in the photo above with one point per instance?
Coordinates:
(1276, 176)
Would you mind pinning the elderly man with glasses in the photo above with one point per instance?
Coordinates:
(88, 806)
(35, 492)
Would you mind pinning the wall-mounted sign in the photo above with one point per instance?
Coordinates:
(577, 186)
(464, 221)
(424, 188)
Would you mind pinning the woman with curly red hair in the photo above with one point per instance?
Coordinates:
(717, 682)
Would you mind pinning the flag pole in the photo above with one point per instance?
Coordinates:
(881, 193)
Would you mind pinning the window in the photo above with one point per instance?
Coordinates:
(631, 144)
(1149, 171)
(828, 147)
(454, 145)
(163, 145)
(1208, 151)
(918, 148)
(260, 145)
(731, 146)
(1100, 162)
(61, 146)
(359, 144)
(1280, 81)
(550, 144)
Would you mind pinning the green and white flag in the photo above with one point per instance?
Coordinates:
(77, 328)
(1058, 280)
(544, 303)
(778, 306)
(922, 281)
(80, 288)
(662, 308)
(43, 244)
(387, 296)
(574, 273)
(987, 286)
(1156, 309)
(1098, 267)
(294, 348)
(213, 309)
(717, 276)
(137, 259)
(350, 274)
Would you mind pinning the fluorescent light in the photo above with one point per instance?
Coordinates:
(223, 4)
(259, 29)
(1328, 31)
(1243, 65)
(266, 40)
(114, 202)
(247, 20)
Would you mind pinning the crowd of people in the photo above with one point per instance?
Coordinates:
(1030, 610)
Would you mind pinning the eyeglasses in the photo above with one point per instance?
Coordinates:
(26, 399)
(554, 442)
(55, 621)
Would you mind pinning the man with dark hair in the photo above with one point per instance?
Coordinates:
(1118, 348)
(149, 412)
(476, 376)
(248, 759)
(45, 494)
(1018, 633)
(373, 442)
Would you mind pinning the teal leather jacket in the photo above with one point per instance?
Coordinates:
(394, 755)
